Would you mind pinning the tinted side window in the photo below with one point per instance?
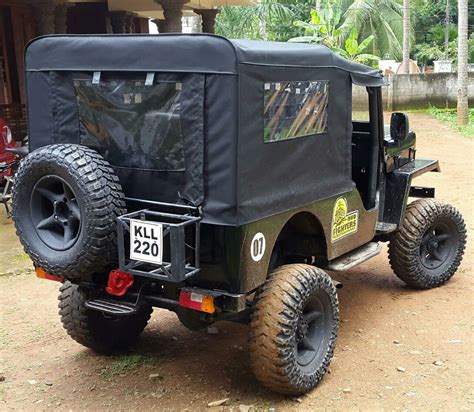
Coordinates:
(132, 124)
(295, 109)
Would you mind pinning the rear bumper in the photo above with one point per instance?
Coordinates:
(224, 304)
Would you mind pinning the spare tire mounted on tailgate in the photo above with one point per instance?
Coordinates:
(66, 198)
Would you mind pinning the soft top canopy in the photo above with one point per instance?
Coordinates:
(197, 53)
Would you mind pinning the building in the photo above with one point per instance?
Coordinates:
(22, 20)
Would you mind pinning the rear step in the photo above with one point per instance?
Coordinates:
(351, 259)
(111, 307)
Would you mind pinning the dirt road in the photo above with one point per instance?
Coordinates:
(398, 349)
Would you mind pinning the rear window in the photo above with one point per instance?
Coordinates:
(295, 109)
(132, 124)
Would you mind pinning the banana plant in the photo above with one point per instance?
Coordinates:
(324, 27)
(353, 50)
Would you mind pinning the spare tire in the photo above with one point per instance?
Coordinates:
(66, 199)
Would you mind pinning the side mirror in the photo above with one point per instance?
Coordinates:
(399, 127)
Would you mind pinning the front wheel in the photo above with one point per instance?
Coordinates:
(294, 328)
(429, 247)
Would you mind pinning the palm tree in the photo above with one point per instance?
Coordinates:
(381, 18)
(406, 37)
(251, 21)
(272, 19)
(462, 63)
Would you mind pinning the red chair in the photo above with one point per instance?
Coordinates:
(6, 141)
(7, 161)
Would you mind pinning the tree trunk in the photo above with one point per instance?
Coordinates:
(318, 5)
(262, 20)
(263, 27)
(406, 37)
(446, 32)
(462, 63)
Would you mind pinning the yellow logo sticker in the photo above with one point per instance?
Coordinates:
(343, 223)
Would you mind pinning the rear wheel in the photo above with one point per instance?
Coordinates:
(429, 247)
(90, 328)
(294, 328)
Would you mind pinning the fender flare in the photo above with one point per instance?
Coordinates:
(397, 188)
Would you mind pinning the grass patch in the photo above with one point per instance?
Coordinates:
(448, 116)
(78, 356)
(122, 364)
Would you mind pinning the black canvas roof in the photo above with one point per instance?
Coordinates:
(198, 53)
(230, 169)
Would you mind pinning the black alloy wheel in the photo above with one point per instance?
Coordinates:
(55, 212)
(438, 244)
(66, 200)
(313, 331)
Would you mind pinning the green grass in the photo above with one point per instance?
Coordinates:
(122, 364)
(448, 116)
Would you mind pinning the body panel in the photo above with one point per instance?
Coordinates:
(253, 274)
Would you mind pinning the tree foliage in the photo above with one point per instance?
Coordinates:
(382, 19)
(429, 22)
(353, 50)
(259, 21)
(326, 28)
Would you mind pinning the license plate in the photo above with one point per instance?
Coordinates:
(146, 241)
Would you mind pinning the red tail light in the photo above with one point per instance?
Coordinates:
(197, 301)
(42, 274)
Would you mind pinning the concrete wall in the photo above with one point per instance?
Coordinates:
(417, 91)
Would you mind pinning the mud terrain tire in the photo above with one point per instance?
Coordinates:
(103, 334)
(429, 247)
(294, 328)
(66, 199)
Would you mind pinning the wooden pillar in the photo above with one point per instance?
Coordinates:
(118, 20)
(60, 18)
(173, 12)
(160, 23)
(24, 30)
(208, 18)
(45, 15)
(130, 23)
(141, 25)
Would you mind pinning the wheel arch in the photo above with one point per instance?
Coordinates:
(302, 234)
(290, 238)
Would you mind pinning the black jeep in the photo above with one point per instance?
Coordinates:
(218, 179)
